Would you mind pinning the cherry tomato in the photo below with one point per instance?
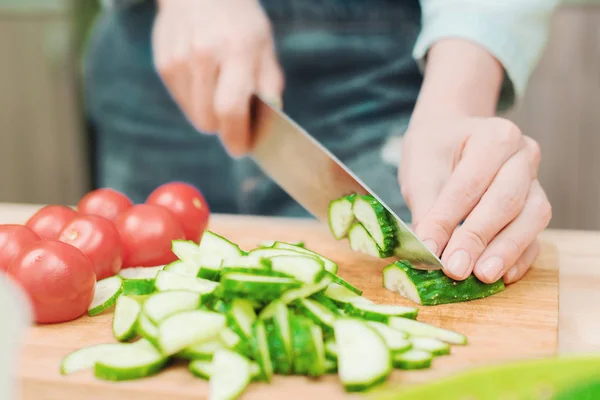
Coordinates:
(58, 278)
(147, 231)
(12, 240)
(98, 238)
(50, 220)
(104, 202)
(187, 204)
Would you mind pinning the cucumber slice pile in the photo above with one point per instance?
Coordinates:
(274, 310)
(372, 230)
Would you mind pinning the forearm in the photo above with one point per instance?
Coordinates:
(461, 78)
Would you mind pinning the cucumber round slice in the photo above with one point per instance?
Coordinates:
(363, 358)
(341, 216)
(317, 312)
(201, 369)
(188, 328)
(86, 357)
(105, 295)
(307, 269)
(138, 287)
(241, 316)
(164, 304)
(361, 241)
(379, 312)
(182, 268)
(166, 281)
(421, 329)
(216, 245)
(230, 375)
(377, 222)
(202, 351)
(261, 350)
(140, 272)
(431, 345)
(305, 291)
(413, 359)
(146, 328)
(342, 296)
(126, 315)
(130, 361)
(394, 339)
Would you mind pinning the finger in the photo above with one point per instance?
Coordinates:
(270, 77)
(506, 248)
(484, 154)
(235, 86)
(204, 75)
(500, 204)
(523, 264)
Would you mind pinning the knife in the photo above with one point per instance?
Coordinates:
(314, 177)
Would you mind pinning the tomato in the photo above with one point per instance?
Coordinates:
(98, 238)
(104, 202)
(58, 279)
(187, 204)
(146, 233)
(50, 220)
(12, 240)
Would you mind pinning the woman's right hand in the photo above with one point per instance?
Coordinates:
(212, 56)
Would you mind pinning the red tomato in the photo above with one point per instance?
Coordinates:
(105, 202)
(12, 240)
(187, 204)
(146, 233)
(58, 278)
(50, 220)
(98, 238)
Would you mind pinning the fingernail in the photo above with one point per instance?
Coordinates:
(431, 245)
(459, 262)
(512, 274)
(492, 268)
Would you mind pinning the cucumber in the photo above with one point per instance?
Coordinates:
(188, 328)
(318, 367)
(280, 342)
(363, 358)
(431, 345)
(195, 262)
(412, 359)
(378, 223)
(394, 339)
(305, 291)
(327, 263)
(361, 241)
(341, 216)
(203, 369)
(330, 366)
(138, 287)
(202, 351)
(340, 281)
(431, 288)
(317, 312)
(230, 375)
(86, 357)
(135, 273)
(306, 269)
(331, 351)
(182, 268)
(166, 281)
(255, 287)
(342, 296)
(213, 244)
(246, 261)
(261, 350)
(263, 271)
(164, 304)
(322, 299)
(302, 345)
(130, 361)
(421, 329)
(379, 312)
(146, 328)
(241, 316)
(210, 267)
(234, 342)
(105, 295)
(127, 311)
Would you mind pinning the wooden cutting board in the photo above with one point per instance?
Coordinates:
(519, 323)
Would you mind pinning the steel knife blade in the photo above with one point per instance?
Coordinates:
(314, 177)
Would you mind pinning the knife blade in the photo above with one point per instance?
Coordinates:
(314, 177)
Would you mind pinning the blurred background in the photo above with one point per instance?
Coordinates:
(45, 155)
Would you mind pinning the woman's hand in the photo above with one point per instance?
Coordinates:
(212, 56)
(482, 171)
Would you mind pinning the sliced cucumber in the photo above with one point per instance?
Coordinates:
(331, 351)
(307, 269)
(86, 357)
(182, 268)
(434, 287)
(421, 329)
(230, 375)
(340, 216)
(322, 299)
(305, 291)
(210, 267)
(188, 328)
(317, 312)
(201, 368)
(247, 262)
(261, 350)
(105, 295)
(256, 287)
(127, 311)
(164, 304)
(279, 338)
(327, 263)
(263, 271)
(394, 339)
(302, 345)
(131, 361)
(213, 244)
(166, 281)
(233, 341)
(360, 241)
(379, 312)
(318, 367)
(412, 359)
(241, 316)
(363, 358)
(377, 222)
(146, 328)
(138, 287)
(431, 345)
(342, 296)
(330, 366)
(202, 351)
(340, 281)
(136, 273)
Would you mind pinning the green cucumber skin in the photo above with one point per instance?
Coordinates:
(209, 274)
(364, 387)
(340, 281)
(349, 198)
(400, 363)
(109, 304)
(302, 345)
(138, 287)
(388, 228)
(282, 361)
(435, 288)
(350, 310)
(107, 373)
(255, 290)
(326, 301)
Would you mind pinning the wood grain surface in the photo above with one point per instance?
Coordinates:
(519, 323)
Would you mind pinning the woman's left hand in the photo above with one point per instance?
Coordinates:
(482, 172)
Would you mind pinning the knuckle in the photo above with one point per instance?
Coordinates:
(511, 201)
(543, 209)
(506, 132)
(535, 150)
(442, 227)
(513, 246)
(477, 237)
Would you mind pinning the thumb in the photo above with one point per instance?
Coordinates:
(270, 78)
